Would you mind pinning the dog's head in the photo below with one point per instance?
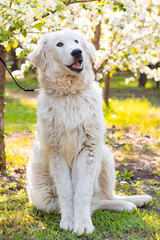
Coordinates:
(65, 51)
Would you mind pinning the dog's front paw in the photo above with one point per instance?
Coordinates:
(128, 206)
(66, 224)
(83, 226)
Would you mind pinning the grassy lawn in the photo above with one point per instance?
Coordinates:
(133, 122)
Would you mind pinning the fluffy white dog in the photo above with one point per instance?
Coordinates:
(70, 170)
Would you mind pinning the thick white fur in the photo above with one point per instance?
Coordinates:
(70, 170)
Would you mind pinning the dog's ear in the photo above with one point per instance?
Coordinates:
(38, 56)
(91, 51)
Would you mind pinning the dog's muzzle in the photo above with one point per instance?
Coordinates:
(77, 65)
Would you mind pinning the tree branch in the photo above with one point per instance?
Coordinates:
(10, 4)
(80, 1)
(142, 38)
(102, 66)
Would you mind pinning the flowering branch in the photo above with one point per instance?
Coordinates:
(80, 1)
(100, 69)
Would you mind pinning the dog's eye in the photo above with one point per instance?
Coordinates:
(76, 41)
(60, 44)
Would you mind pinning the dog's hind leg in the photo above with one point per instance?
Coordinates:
(106, 180)
(105, 197)
(138, 200)
(40, 187)
(115, 205)
(120, 203)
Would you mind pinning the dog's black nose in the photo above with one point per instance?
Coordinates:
(77, 53)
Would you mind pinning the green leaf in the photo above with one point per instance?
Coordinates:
(84, 6)
(59, 7)
(21, 22)
(107, 21)
(14, 43)
(38, 26)
(8, 47)
(17, 25)
(24, 34)
(114, 9)
(4, 38)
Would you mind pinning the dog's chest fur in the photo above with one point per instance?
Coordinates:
(67, 123)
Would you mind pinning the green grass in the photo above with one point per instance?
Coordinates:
(135, 113)
(18, 148)
(20, 220)
(19, 115)
(118, 82)
(140, 113)
(20, 112)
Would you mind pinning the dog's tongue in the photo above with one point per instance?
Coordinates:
(76, 65)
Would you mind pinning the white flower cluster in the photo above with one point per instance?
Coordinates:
(130, 79)
(130, 38)
(20, 73)
(151, 73)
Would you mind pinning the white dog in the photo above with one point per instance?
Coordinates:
(70, 170)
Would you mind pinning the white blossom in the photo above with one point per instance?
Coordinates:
(130, 79)
(18, 74)
(129, 39)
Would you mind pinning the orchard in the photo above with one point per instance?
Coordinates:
(126, 35)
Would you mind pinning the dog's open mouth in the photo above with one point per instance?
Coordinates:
(76, 66)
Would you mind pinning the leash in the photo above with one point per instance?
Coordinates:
(24, 89)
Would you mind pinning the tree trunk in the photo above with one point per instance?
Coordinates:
(2, 90)
(97, 34)
(142, 79)
(14, 59)
(107, 88)
(157, 84)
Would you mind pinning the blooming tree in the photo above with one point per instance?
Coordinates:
(127, 39)
(124, 32)
(21, 23)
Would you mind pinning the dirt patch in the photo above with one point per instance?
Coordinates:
(31, 97)
(139, 156)
(135, 152)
